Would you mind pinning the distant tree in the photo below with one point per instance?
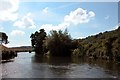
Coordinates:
(37, 40)
(3, 38)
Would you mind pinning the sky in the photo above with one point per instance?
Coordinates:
(19, 19)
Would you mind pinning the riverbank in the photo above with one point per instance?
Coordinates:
(2, 47)
(11, 52)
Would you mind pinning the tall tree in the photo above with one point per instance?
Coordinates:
(37, 40)
(59, 43)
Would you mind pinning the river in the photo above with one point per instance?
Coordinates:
(26, 65)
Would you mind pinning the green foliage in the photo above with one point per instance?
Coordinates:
(37, 41)
(59, 43)
(76, 52)
(103, 45)
(79, 51)
(6, 55)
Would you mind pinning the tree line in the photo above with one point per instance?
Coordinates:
(104, 45)
(59, 43)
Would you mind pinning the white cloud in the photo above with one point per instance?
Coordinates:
(107, 17)
(8, 10)
(91, 14)
(49, 27)
(75, 17)
(17, 33)
(25, 22)
(18, 43)
(79, 16)
(45, 10)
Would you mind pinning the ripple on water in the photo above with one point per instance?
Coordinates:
(24, 67)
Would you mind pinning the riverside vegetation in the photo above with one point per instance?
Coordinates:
(6, 53)
(59, 43)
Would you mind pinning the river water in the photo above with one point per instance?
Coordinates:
(26, 65)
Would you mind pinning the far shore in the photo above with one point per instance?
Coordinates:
(16, 49)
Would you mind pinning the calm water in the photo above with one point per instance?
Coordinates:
(26, 65)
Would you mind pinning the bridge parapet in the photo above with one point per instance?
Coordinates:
(20, 49)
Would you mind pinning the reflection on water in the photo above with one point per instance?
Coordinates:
(27, 65)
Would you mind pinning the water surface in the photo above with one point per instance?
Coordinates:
(26, 65)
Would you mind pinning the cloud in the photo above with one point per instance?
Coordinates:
(106, 17)
(8, 10)
(91, 14)
(45, 10)
(25, 22)
(17, 33)
(49, 27)
(78, 16)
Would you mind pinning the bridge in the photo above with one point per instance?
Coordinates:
(21, 49)
(17, 49)
(10, 53)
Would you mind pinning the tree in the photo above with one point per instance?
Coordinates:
(59, 43)
(37, 41)
(3, 38)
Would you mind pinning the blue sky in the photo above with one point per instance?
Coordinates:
(82, 19)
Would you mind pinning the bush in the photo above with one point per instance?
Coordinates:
(6, 55)
(59, 43)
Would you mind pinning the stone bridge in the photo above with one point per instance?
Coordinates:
(21, 49)
(16, 49)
